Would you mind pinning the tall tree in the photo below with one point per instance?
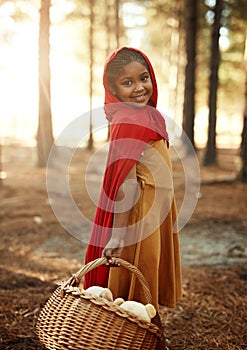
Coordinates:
(1, 164)
(91, 50)
(210, 156)
(44, 133)
(190, 70)
(243, 150)
(108, 26)
(117, 4)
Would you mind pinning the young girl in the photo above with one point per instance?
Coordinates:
(136, 214)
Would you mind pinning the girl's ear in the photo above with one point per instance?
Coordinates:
(112, 90)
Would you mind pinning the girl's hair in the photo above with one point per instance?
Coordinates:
(123, 57)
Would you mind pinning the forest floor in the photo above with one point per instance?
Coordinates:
(37, 252)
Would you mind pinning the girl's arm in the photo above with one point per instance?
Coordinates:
(125, 200)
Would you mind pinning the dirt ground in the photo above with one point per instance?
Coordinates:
(37, 252)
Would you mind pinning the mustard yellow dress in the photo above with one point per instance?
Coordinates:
(154, 243)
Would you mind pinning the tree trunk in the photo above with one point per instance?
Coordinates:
(1, 179)
(210, 156)
(189, 92)
(178, 110)
(108, 26)
(243, 149)
(243, 172)
(117, 4)
(108, 40)
(91, 49)
(44, 133)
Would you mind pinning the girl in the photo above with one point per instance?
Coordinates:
(136, 213)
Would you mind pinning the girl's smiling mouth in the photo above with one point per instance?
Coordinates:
(140, 98)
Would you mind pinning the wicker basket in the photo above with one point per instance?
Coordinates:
(73, 319)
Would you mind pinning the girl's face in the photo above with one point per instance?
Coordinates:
(134, 84)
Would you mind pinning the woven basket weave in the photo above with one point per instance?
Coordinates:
(73, 319)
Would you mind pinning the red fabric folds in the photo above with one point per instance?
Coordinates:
(131, 129)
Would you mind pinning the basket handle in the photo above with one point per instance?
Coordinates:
(104, 261)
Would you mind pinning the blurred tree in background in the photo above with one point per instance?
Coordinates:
(243, 147)
(44, 133)
(217, 9)
(191, 15)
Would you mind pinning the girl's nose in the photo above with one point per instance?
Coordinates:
(139, 87)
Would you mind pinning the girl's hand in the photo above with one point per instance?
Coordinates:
(113, 249)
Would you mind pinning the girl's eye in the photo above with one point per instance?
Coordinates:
(145, 78)
(127, 83)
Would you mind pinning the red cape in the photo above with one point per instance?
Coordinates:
(131, 129)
